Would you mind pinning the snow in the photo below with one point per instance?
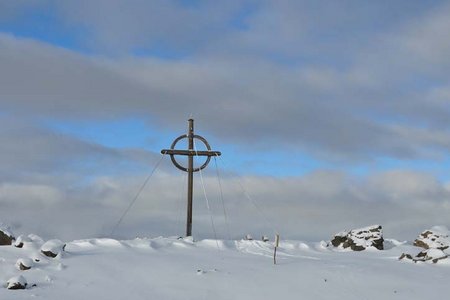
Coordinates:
(435, 253)
(173, 268)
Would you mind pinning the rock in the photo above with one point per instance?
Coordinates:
(248, 237)
(24, 264)
(52, 248)
(16, 283)
(6, 237)
(360, 239)
(435, 238)
(339, 238)
(21, 240)
(433, 241)
(405, 255)
(433, 255)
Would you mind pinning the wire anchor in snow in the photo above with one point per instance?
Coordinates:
(190, 153)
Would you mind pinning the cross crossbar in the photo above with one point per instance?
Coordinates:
(190, 152)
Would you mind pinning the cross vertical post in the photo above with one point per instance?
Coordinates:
(190, 169)
(190, 177)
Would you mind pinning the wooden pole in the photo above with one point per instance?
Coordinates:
(277, 243)
(190, 177)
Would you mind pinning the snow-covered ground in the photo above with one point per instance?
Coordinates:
(171, 268)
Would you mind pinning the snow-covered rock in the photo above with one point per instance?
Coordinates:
(360, 239)
(16, 283)
(434, 241)
(52, 248)
(24, 264)
(6, 237)
(433, 255)
(435, 238)
(21, 240)
(248, 237)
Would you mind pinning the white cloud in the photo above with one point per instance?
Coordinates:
(327, 113)
(427, 39)
(311, 207)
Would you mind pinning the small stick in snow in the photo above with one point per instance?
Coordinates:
(277, 243)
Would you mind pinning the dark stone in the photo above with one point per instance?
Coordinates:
(49, 254)
(379, 244)
(23, 268)
(422, 254)
(421, 244)
(405, 255)
(52, 248)
(426, 234)
(17, 286)
(357, 247)
(20, 241)
(16, 283)
(5, 239)
(337, 240)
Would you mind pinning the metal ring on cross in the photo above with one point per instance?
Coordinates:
(185, 136)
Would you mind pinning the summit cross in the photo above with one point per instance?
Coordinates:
(190, 169)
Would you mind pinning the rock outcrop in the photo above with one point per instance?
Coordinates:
(6, 237)
(433, 242)
(433, 255)
(435, 238)
(360, 239)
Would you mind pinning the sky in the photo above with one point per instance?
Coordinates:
(329, 115)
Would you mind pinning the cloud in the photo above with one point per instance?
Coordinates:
(155, 26)
(30, 152)
(47, 81)
(425, 40)
(408, 187)
(325, 112)
(310, 207)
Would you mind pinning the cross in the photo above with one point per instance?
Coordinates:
(190, 153)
